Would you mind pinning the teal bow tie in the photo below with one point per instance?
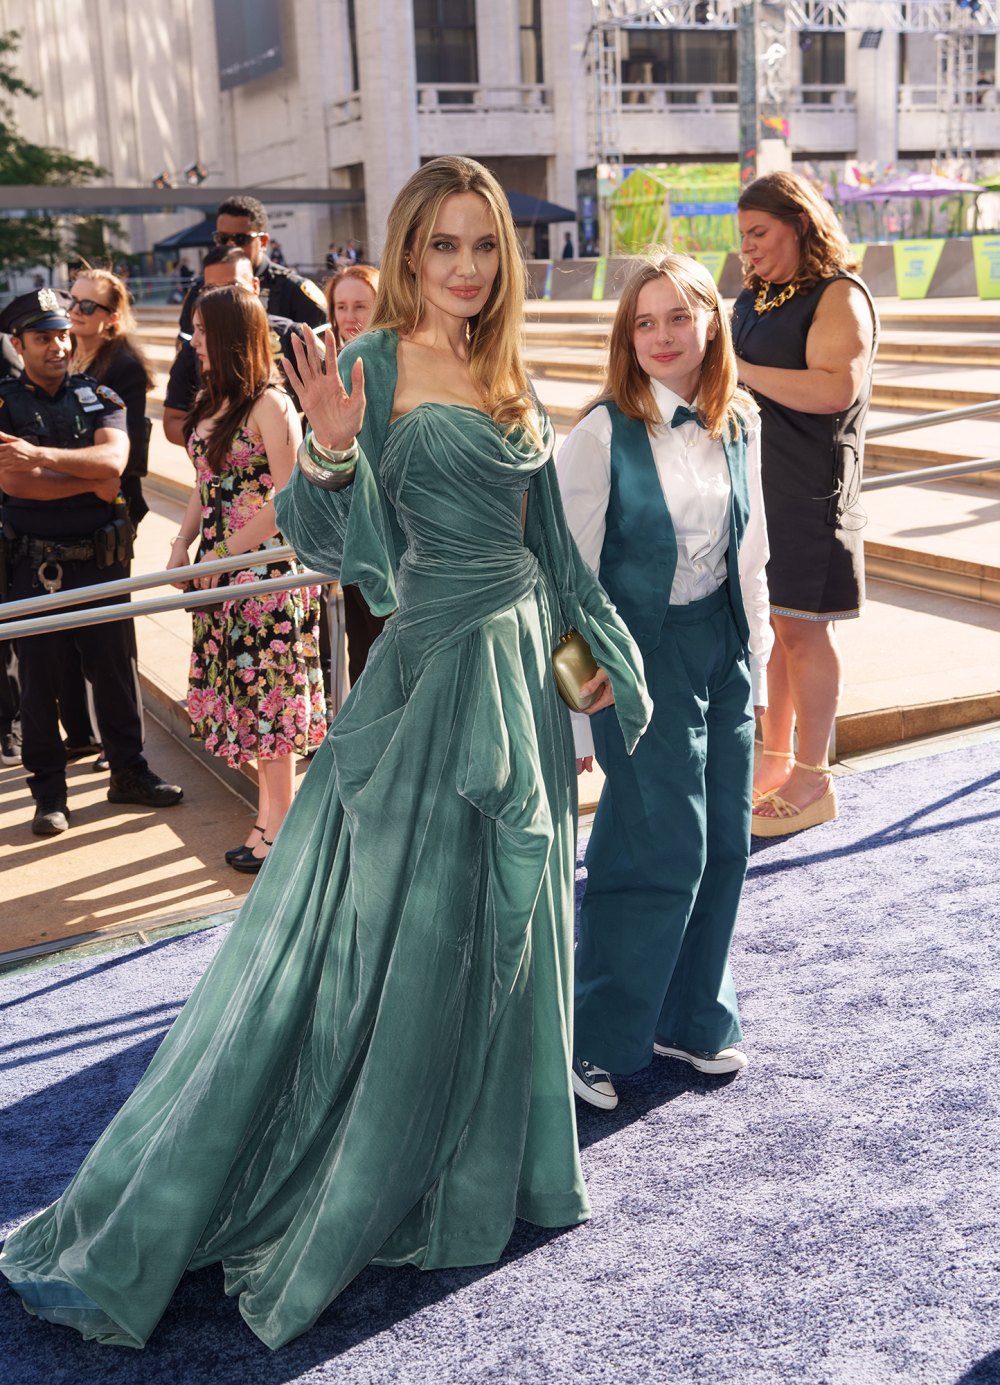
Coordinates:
(685, 415)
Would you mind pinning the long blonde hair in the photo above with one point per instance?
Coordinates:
(721, 403)
(119, 336)
(495, 363)
(823, 247)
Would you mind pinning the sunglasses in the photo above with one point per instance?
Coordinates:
(88, 307)
(239, 238)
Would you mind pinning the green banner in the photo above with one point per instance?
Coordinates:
(858, 251)
(713, 260)
(986, 258)
(915, 262)
(600, 274)
(547, 290)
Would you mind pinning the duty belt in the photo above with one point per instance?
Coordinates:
(53, 550)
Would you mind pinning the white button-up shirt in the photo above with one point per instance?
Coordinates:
(694, 478)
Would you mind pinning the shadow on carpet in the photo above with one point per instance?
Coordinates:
(829, 1217)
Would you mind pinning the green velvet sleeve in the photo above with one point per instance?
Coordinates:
(352, 533)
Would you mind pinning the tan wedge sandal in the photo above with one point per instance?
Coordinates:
(755, 794)
(787, 817)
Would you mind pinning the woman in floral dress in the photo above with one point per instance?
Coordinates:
(256, 690)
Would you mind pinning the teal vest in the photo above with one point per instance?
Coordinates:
(639, 556)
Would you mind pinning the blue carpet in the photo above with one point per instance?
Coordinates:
(828, 1218)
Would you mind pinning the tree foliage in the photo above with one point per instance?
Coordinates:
(30, 238)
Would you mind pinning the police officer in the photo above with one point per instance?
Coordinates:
(10, 692)
(242, 221)
(222, 266)
(63, 448)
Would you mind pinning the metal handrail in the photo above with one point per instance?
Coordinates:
(41, 622)
(929, 473)
(992, 406)
(76, 596)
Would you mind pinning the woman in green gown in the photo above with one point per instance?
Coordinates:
(375, 1067)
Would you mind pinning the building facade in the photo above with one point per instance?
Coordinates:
(354, 94)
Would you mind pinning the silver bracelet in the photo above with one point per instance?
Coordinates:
(328, 476)
(331, 456)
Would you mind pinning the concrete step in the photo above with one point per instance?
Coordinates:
(943, 537)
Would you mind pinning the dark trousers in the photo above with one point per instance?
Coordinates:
(75, 710)
(10, 696)
(363, 629)
(105, 653)
(668, 852)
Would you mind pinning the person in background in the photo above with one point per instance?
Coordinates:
(350, 298)
(222, 266)
(242, 221)
(255, 688)
(10, 691)
(567, 251)
(105, 347)
(63, 449)
(805, 331)
(661, 486)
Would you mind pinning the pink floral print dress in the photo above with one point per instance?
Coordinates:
(256, 686)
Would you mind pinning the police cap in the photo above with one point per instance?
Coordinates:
(41, 310)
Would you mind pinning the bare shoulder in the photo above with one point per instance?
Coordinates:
(274, 404)
(844, 320)
(844, 300)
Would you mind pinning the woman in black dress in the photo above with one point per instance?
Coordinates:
(805, 331)
(105, 348)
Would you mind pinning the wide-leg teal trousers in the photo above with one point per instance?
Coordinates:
(668, 852)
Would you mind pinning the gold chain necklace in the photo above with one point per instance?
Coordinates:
(760, 303)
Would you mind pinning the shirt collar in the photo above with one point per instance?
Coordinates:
(33, 388)
(667, 401)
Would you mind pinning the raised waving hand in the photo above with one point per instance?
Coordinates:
(334, 416)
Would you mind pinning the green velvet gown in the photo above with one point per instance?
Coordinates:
(375, 1065)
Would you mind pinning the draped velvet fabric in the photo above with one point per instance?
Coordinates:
(375, 1065)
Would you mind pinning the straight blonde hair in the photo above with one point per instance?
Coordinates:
(495, 361)
(120, 335)
(721, 403)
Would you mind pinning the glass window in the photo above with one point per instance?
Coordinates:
(679, 57)
(445, 39)
(532, 66)
(824, 64)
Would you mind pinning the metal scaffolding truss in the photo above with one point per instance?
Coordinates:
(901, 16)
(957, 27)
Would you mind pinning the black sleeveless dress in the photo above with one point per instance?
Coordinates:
(811, 468)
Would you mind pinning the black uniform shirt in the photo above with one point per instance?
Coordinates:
(184, 380)
(283, 292)
(68, 419)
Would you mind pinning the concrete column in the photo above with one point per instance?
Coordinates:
(564, 38)
(387, 74)
(873, 73)
(498, 47)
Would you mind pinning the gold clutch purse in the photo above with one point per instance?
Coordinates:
(573, 665)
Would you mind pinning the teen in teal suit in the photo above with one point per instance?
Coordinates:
(661, 485)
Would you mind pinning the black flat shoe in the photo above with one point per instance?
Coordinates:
(250, 864)
(242, 849)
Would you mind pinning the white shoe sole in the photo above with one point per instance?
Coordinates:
(592, 1098)
(734, 1061)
